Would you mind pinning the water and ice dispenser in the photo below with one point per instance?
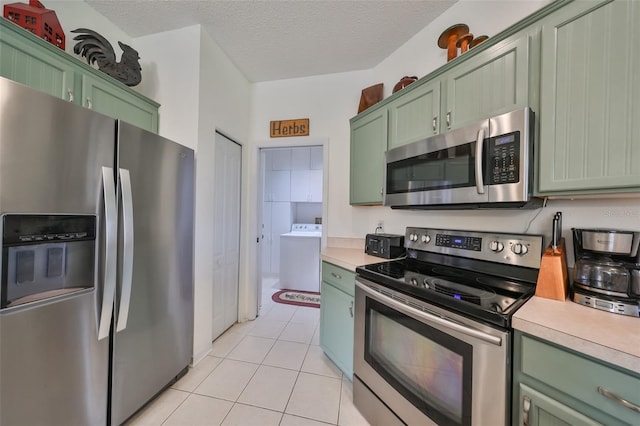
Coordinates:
(45, 256)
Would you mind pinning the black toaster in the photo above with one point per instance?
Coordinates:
(388, 246)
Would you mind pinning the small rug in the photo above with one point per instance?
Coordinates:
(297, 297)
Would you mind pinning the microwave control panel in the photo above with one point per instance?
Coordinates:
(504, 159)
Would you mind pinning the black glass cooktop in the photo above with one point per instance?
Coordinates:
(483, 296)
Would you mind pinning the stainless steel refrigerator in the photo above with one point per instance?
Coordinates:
(96, 313)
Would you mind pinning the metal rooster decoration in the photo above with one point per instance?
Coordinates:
(96, 48)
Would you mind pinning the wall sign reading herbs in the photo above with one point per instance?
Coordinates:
(289, 128)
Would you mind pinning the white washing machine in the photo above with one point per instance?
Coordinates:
(300, 258)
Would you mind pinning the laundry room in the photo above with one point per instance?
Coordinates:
(291, 217)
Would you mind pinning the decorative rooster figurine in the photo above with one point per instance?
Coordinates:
(96, 48)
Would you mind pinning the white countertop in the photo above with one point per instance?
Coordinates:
(348, 258)
(610, 337)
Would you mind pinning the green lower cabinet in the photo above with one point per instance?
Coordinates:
(537, 409)
(554, 385)
(336, 318)
(590, 99)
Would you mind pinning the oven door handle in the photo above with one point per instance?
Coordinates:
(425, 316)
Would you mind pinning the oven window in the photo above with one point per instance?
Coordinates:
(428, 367)
(448, 168)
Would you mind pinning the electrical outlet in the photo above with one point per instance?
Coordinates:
(380, 226)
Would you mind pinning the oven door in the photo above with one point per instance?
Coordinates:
(444, 169)
(427, 365)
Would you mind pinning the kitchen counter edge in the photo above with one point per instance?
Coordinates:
(609, 337)
(348, 258)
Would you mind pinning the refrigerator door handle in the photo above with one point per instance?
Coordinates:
(127, 253)
(111, 247)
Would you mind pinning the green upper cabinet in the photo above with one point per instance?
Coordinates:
(415, 115)
(590, 99)
(493, 82)
(116, 102)
(368, 144)
(33, 62)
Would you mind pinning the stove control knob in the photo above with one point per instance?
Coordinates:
(519, 249)
(496, 246)
(425, 239)
(414, 237)
(414, 281)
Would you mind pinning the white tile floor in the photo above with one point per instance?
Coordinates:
(270, 371)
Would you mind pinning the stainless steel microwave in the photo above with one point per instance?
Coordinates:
(487, 164)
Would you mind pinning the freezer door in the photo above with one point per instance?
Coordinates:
(51, 153)
(154, 314)
(53, 366)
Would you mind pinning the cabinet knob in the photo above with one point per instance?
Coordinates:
(70, 93)
(351, 309)
(334, 275)
(448, 119)
(434, 124)
(89, 103)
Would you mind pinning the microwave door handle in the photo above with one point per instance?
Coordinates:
(479, 153)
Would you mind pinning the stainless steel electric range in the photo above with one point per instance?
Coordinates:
(433, 330)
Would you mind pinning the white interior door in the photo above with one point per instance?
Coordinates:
(226, 233)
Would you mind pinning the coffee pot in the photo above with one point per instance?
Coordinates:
(606, 274)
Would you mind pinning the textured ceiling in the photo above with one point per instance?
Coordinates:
(273, 40)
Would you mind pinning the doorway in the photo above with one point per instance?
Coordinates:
(291, 193)
(226, 233)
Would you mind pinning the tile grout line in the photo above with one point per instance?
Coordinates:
(313, 324)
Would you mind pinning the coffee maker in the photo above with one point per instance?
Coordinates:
(606, 274)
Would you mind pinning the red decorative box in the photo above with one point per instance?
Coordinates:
(38, 19)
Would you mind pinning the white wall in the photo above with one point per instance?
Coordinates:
(420, 55)
(329, 111)
(201, 91)
(328, 101)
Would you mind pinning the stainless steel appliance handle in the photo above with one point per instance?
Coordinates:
(127, 248)
(110, 256)
(526, 409)
(479, 150)
(630, 405)
(430, 317)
